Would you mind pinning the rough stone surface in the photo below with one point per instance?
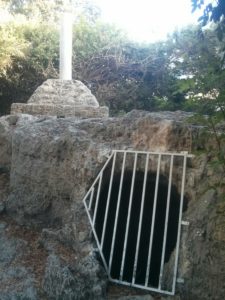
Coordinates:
(202, 259)
(7, 127)
(144, 297)
(64, 283)
(60, 110)
(68, 92)
(52, 162)
(5, 144)
(57, 97)
(17, 282)
(55, 160)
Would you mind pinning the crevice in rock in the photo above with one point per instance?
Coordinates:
(134, 222)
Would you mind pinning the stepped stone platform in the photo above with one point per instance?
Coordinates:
(64, 98)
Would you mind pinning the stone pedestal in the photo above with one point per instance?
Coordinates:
(64, 98)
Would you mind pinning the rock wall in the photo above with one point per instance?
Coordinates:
(52, 163)
(55, 160)
(202, 260)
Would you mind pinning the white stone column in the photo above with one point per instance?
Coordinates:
(65, 68)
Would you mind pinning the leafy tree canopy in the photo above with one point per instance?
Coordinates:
(212, 12)
(50, 10)
(122, 74)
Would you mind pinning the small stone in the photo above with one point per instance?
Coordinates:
(2, 226)
(82, 236)
(2, 207)
(138, 297)
(12, 119)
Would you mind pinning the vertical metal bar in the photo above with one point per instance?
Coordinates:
(99, 174)
(179, 224)
(86, 197)
(108, 198)
(91, 199)
(153, 221)
(140, 219)
(99, 177)
(96, 237)
(166, 222)
(97, 198)
(128, 216)
(117, 212)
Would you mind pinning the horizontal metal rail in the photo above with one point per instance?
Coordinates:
(182, 154)
(143, 287)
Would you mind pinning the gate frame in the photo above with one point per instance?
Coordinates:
(100, 243)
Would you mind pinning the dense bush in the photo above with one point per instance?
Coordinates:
(31, 59)
(122, 74)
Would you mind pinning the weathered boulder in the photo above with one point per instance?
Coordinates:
(7, 127)
(52, 163)
(55, 160)
(17, 281)
(144, 297)
(202, 263)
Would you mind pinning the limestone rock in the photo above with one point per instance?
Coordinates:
(59, 282)
(55, 160)
(202, 262)
(144, 297)
(17, 282)
(5, 143)
(7, 126)
(52, 162)
(63, 283)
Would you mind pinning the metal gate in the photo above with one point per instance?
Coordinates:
(135, 210)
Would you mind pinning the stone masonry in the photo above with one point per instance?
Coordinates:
(63, 98)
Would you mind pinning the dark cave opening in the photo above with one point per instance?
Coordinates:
(158, 232)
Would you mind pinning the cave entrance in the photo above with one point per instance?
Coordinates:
(135, 210)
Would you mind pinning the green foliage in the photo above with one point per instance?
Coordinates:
(49, 11)
(213, 11)
(213, 14)
(212, 138)
(91, 39)
(183, 73)
(12, 46)
(35, 9)
(31, 58)
(166, 75)
(43, 54)
(122, 74)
